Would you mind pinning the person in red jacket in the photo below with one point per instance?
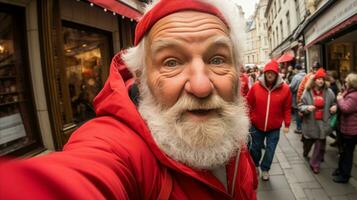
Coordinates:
(269, 103)
(316, 65)
(243, 78)
(187, 138)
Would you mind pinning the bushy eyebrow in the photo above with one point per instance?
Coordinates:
(221, 41)
(163, 44)
(217, 41)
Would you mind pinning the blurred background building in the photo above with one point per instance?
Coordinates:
(304, 31)
(256, 44)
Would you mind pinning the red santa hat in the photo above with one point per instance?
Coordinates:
(272, 66)
(167, 7)
(320, 73)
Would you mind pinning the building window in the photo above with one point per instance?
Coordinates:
(342, 55)
(281, 30)
(277, 35)
(87, 58)
(288, 22)
(297, 11)
(265, 40)
(19, 132)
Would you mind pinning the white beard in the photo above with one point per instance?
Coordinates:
(201, 145)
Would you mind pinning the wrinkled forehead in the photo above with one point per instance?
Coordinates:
(167, 7)
(189, 26)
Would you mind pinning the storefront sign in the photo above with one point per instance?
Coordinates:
(342, 10)
(11, 128)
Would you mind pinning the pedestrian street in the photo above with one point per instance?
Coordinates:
(291, 177)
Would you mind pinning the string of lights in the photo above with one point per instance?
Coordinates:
(91, 4)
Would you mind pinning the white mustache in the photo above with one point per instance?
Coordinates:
(190, 103)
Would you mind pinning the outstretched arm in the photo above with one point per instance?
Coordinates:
(88, 168)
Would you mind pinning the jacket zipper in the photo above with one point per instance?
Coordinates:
(267, 113)
(235, 172)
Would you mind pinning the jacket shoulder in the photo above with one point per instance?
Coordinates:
(104, 159)
(111, 134)
(111, 137)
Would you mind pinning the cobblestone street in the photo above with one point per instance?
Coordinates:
(291, 177)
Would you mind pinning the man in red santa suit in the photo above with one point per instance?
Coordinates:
(186, 140)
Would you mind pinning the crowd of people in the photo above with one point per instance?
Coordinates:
(320, 105)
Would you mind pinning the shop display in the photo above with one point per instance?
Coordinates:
(11, 124)
(84, 62)
(11, 128)
(9, 94)
(17, 118)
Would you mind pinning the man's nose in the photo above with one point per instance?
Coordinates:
(199, 83)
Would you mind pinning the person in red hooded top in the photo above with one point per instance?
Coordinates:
(317, 104)
(187, 138)
(269, 101)
(244, 80)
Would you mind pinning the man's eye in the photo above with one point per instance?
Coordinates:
(217, 61)
(171, 63)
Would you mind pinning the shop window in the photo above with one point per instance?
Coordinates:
(18, 125)
(86, 59)
(341, 53)
(288, 22)
(314, 53)
(341, 58)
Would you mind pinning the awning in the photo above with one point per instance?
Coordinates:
(352, 20)
(119, 8)
(286, 57)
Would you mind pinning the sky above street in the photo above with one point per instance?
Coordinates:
(248, 6)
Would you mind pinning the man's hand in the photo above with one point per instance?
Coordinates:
(333, 109)
(311, 108)
(286, 130)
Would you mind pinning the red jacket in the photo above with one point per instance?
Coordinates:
(244, 88)
(115, 157)
(269, 108)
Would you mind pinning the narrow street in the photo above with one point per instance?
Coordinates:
(291, 177)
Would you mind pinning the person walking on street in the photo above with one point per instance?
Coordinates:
(294, 85)
(317, 104)
(303, 82)
(252, 77)
(335, 86)
(269, 102)
(347, 105)
(244, 81)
